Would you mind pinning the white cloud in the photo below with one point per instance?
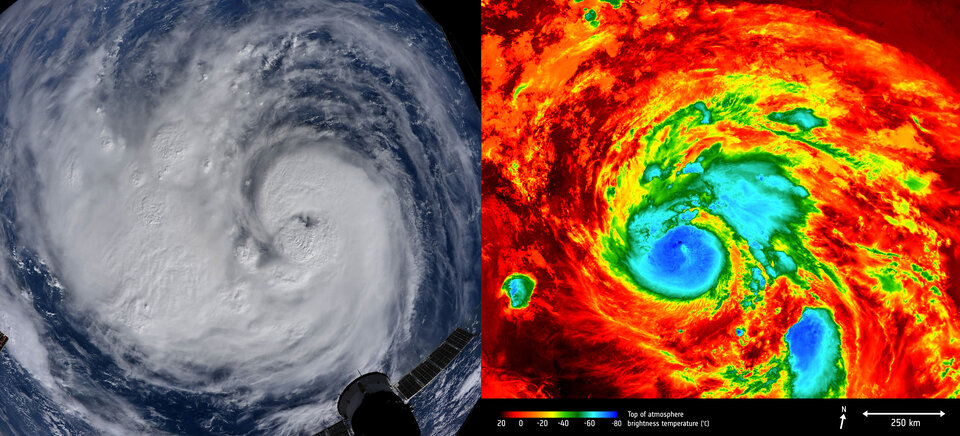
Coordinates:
(207, 239)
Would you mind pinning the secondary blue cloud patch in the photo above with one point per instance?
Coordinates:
(815, 362)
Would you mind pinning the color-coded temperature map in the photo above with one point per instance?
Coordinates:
(690, 199)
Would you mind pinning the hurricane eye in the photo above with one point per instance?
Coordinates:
(215, 213)
(718, 199)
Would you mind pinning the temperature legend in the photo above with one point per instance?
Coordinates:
(544, 414)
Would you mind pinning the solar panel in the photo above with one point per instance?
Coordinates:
(426, 371)
(339, 429)
(408, 386)
(443, 355)
(419, 377)
(439, 359)
(459, 338)
(3, 341)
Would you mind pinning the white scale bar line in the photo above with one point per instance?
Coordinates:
(903, 414)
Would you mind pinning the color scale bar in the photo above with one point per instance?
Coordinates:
(558, 414)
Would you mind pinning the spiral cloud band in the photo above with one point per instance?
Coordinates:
(714, 199)
(230, 207)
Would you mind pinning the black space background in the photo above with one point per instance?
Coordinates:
(460, 20)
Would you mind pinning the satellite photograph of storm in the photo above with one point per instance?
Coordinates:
(720, 199)
(215, 214)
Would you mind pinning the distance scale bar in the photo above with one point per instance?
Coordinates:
(868, 413)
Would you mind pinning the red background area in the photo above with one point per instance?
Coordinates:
(928, 30)
(924, 30)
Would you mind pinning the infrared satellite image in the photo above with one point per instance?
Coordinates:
(214, 214)
(700, 199)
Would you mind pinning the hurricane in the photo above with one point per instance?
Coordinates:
(216, 213)
(706, 199)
